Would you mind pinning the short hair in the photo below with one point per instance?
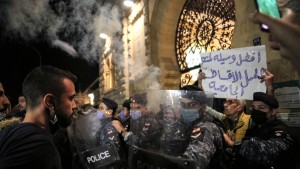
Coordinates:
(43, 80)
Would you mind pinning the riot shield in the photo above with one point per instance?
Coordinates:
(95, 141)
(162, 130)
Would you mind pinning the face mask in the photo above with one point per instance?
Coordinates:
(100, 115)
(259, 117)
(122, 115)
(189, 115)
(135, 114)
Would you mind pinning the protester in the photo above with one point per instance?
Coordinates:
(5, 107)
(20, 109)
(234, 119)
(49, 94)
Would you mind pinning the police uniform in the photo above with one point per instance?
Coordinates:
(205, 143)
(146, 132)
(267, 146)
(108, 134)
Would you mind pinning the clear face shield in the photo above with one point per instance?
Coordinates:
(162, 132)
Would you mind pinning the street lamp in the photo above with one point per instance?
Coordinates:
(103, 35)
(128, 3)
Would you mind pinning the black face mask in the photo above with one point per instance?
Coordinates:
(259, 117)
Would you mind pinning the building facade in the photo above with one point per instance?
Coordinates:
(146, 54)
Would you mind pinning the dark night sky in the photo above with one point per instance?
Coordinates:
(29, 27)
(18, 59)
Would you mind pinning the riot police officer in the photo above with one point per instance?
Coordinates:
(145, 128)
(268, 142)
(107, 132)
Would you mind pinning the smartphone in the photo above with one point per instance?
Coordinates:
(269, 7)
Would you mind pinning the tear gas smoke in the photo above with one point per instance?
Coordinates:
(65, 47)
(74, 27)
(61, 23)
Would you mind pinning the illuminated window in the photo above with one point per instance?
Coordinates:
(203, 26)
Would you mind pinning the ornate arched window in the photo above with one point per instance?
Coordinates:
(203, 26)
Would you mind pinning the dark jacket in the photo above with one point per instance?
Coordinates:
(270, 146)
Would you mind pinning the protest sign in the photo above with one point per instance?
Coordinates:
(234, 73)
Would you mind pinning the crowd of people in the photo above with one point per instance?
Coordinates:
(191, 135)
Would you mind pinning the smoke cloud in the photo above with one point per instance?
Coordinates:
(74, 27)
(69, 25)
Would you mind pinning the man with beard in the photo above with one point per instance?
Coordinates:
(20, 109)
(4, 104)
(49, 94)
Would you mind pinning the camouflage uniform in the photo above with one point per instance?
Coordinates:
(270, 146)
(205, 144)
(108, 134)
(145, 132)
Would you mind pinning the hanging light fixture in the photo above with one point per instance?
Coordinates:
(128, 3)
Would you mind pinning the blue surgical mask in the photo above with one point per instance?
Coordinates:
(100, 115)
(135, 114)
(189, 115)
(122, 115)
